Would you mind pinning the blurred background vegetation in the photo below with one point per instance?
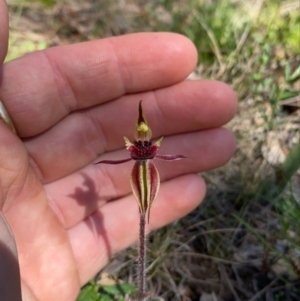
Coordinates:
(243, 242)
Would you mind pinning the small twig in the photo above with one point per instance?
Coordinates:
(172, 282)
(214, 42)
(256, 296)
(216, 259)
(228, 281)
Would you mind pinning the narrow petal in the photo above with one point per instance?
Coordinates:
(127, 143)
(158, 142)
(169, 157)
(145, 184)
(113, 161)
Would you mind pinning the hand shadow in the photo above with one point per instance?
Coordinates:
(85, 196)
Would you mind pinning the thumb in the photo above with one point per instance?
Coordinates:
(12, 154)
(10, 286)
(3, 30)
(14, 164)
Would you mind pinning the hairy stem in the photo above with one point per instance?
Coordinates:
(142, 259)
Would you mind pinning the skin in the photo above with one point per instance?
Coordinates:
(71, 106)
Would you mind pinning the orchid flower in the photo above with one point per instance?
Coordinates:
(145, 184)
(145, 179)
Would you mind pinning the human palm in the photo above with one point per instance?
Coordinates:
(72, 105)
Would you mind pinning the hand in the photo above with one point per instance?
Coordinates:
(72, 105)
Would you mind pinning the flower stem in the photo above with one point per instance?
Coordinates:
(142, 259)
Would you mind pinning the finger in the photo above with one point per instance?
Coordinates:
(3, 32)
(115, 226)
(10, 286)
(75, 197)
(77, 140)
(56, 81)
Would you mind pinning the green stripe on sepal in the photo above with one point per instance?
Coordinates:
(145, 184)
